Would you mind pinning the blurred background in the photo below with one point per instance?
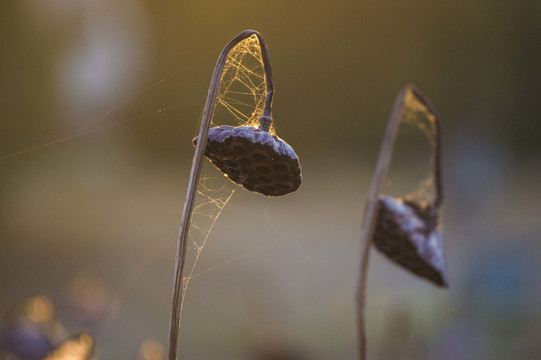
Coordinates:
(88, 225)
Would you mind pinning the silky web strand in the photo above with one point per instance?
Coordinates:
(240, 98)
(86, 129)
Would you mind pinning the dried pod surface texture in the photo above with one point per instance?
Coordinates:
(408, 234)
(255, 159)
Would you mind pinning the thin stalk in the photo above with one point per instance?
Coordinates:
(371, 207)
(182, 244)
(370, 215)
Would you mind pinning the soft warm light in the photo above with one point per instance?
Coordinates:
(414, 108)
(86, 340)
(151, 350)
(39, 309)
(76, 349)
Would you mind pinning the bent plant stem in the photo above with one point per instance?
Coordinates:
(182, 245)
(370, 213)
(371, 208)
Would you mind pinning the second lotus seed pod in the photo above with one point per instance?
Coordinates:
(407, 232)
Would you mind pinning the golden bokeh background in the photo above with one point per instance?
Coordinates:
(88, 225)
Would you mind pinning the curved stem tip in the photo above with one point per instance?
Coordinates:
(370, 213)
(182, 244)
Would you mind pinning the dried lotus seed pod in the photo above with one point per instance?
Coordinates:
(254, 158)
(407, 232)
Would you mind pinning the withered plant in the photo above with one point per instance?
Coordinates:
(405, 230)
(251, 156)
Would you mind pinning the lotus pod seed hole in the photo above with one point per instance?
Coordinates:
(259, 157)
(263, 169)
(244, 162)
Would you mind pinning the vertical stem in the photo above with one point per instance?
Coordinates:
(182, 244)
(370, 215)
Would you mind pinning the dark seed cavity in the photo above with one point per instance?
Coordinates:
(259, 157)
(263, 169)
(244, 161)
(238, 150)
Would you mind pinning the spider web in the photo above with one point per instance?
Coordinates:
(105, 121)
(416, 139)
(241, 99)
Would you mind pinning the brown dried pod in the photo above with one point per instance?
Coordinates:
(254, 158)
(272, 168)
(407, 232)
